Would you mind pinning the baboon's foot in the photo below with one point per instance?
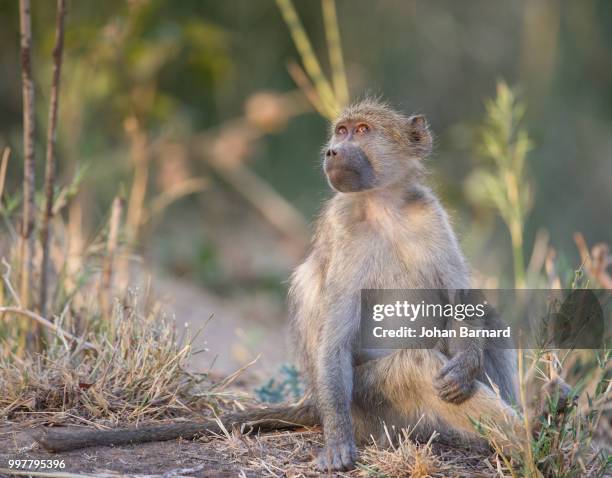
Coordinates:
(337, 457)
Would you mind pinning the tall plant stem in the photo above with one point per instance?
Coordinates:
(50, 159)
(516, 237)
(336, 58)
(29, 185)
(309, 59)
(105, 291)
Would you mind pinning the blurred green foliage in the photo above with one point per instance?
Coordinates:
(287, 387)
(184, 67)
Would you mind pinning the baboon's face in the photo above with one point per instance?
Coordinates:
(374, 148)
(347, 163)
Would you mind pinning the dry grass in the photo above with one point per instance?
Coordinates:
(412, 460)
(134, 369)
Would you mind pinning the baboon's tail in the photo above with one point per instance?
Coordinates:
(265, 419)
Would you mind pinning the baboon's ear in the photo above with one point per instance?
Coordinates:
(419, 136)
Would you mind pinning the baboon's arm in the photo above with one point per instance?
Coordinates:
(271, 418)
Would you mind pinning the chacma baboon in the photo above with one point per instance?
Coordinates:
(382, 229)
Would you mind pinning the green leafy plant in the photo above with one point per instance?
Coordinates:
(502, 182)
(289, 387)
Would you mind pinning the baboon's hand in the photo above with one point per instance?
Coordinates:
(456, 381)
(337, 457)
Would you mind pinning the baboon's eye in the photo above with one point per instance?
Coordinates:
(362, 128)
(341, 130)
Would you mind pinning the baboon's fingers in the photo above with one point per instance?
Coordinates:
(453, 385)
(455, 391)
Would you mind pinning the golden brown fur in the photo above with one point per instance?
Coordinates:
(385, 229)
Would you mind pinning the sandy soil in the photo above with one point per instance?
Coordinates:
(237, 333)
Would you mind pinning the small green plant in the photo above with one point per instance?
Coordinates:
(289, 387)
(503, 182)
(564, 444)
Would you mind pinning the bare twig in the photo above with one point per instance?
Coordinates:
(139, 155)
(303, 82)
(140, 159)
(50, 160)
(76, 246)
(176, 192)
(600, 261)
(538, 256)
(30, 335)
(553, 280)
(523, 397)
(27, 244)
(596, 262)
(583, 249)
(3, 167)
(44, 322)
(5, 219)
(111, 246)
(6, 277)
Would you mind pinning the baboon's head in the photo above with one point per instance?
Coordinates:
(373, 146)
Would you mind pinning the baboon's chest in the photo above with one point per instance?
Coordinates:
(379, 263)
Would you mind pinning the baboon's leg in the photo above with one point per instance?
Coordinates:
(334, 386)
(399, 389)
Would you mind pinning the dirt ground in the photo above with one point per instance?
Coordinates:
(280, 454)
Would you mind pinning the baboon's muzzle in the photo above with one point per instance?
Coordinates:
(348, 169)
